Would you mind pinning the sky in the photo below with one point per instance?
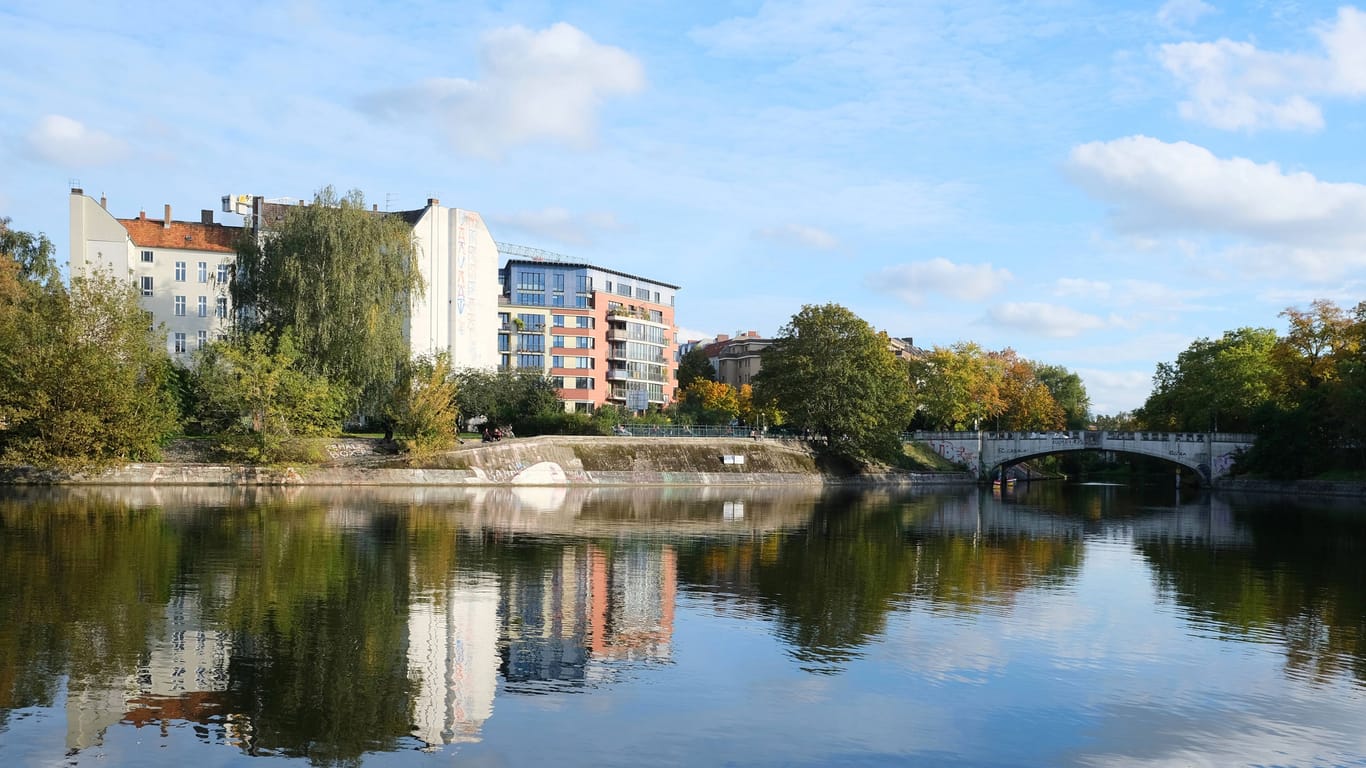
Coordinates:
(1094, 185)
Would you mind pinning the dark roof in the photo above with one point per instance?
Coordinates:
(582, 265)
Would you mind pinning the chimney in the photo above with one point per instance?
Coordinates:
(77, 191)
(104, 202)
(375, 208)
(205, 216)
(432, 202)
(166, 222)
(722, 337)
(142, 215)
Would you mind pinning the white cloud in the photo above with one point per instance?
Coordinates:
(1160, 188)
(559, 224)
(1076, 286)
(1237, 86)
(1182, 13)
(1043, 319)
(69, 143)
(913, 282)
(799, 235)
(545, 85)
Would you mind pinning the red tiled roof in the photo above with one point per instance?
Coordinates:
(184, 235)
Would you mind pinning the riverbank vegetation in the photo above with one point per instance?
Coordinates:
(1303, 393)
(86, 381)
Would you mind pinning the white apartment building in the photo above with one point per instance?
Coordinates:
(180, 268)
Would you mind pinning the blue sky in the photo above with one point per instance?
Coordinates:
(1093, 184)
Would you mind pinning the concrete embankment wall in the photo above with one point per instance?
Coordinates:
(549, 461)
(1339, 488)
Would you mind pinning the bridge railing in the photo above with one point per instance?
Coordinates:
(1180, 437)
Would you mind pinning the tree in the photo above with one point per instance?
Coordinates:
(693, 366)
(427, 415)
(958, 387)
(829, 371)
(517, 398)
(1028, 402)
(709, 402)
(341, 278)
(257, 387)
(83, 379)
(1214, 385)
(1068, 392)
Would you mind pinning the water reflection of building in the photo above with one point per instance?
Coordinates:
(453, 653)
(592, 605)
(184, 677)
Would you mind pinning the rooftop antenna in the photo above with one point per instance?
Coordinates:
(388, 200)
(73, 183)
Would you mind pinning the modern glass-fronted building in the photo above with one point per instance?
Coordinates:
(600, 334)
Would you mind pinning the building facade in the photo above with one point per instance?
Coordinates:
(602, 336)
(180, 268)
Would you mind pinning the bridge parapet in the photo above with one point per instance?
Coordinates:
(1208, 454)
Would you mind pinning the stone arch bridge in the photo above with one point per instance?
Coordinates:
(1208, 454)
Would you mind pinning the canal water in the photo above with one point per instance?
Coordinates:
(1050, 626)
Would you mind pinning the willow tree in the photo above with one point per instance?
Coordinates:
(342, 279)
(830, 372)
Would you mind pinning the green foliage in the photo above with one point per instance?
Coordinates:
(427, 416)
(1214, 385)
(1068, 392)
(84, 382)
(255, 390)
(957, 387)
(342, 279)
(693, 366)
(507, 398)
(829, 371)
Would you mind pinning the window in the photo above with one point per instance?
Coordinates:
(557, 382)
(503, 344)
(609, 286)
(222, 307)
(586, 284)
(656, 316)
(147, 284)
(585, 362)
(656, 297)
(557, 321)
(203, 306)
(503, 320)
(180, 306)
(530, 342)
(203, 339)
(581, 302)
(584, 342)
(623, 290)
(556, 361)
(557, 341)
(531, 321)
(557, 299)
(531, 299)
(180, 271)
(583, 382)
(223, 272)
(180, 343)
(643, 294)
(203, 271)
(557, 281)
(147, 257)
(530, 361)
(583, 321)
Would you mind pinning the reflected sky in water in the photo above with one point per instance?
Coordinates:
(1049, 626)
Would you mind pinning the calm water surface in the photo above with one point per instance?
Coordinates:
(1082, 626)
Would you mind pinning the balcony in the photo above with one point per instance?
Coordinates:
(617, 374)
(617, 334)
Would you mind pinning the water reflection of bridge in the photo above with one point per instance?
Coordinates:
(1207, 520)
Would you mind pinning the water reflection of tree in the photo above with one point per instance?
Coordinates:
(832, 585)
(1300, 580)
(86, 582)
